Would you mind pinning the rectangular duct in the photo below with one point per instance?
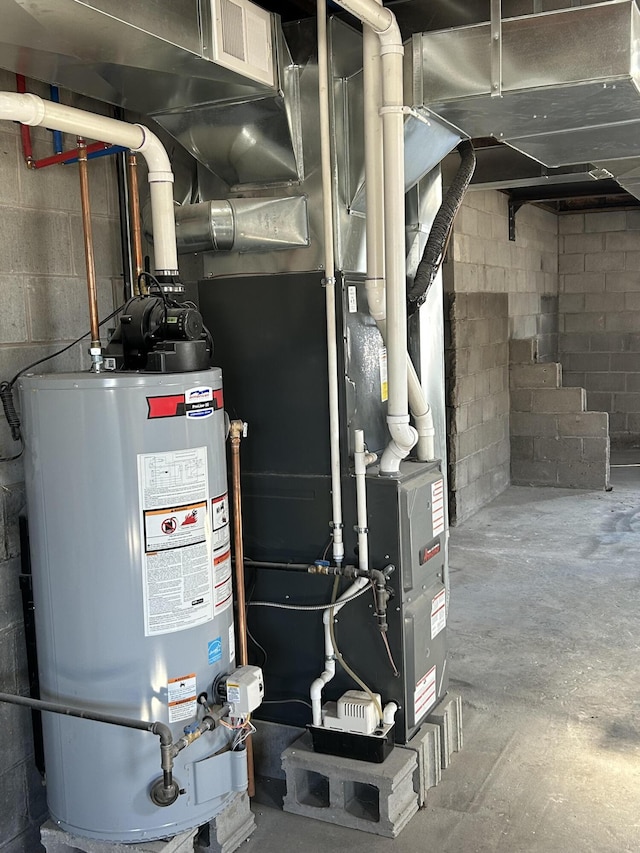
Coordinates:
(569, 87)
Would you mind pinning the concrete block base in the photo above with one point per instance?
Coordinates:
(375, 798)
(224, 834)
(228, 830)
(447, 715)
(426, 743)
(56, 840)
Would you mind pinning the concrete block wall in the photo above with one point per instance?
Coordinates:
(44, 306)
(599, 314)
(478, 400)
(554, 440)
(484, 259)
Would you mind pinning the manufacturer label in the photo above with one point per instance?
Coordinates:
(194, 403)
(424, 696)
(384, 377)
(233, 692)
(182, 698)
(177, 571)
(429, 552)
(437, 507)
(353, 299)
(438, 613)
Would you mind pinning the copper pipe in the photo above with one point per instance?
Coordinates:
(136, 230)
(88, 244)
(235, 433)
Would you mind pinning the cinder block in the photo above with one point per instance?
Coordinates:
(627, 362)
(533, 473)
(426, 743)
(571, 223)
(447, 715)
(604, 261)
(56, 840)
(228, 830)
(522, 351)
(622, 241)
(575, 244)
(557, 449)
(610, 220)
(585, 282)
(626, 402)
(522, 447)
(536, 376)
(376, 798)
(559, 400)
(595, 450)
(623, 281)
(589, 424)
(583, 475)
(570, 263)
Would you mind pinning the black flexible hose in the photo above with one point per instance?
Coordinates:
(8, 404)
(441, 229)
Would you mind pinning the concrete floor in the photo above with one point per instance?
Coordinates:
(545, 648)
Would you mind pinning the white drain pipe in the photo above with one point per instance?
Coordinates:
(375, 282)
(383, 23)
(330, 283)
(35, 111)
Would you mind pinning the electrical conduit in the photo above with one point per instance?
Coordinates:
(330, 283)
(35, 111)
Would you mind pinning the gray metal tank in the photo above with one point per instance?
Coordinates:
(129, 529)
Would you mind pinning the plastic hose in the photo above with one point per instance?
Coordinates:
(441, 229)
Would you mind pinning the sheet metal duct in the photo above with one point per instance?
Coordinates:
(569, 85)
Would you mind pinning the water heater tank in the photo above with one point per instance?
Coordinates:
(129, 530)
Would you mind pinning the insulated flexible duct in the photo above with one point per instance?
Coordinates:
(441, 229)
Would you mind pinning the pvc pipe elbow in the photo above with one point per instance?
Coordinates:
(389, 712)
(155, 154)
(403, 439)
(376, 299)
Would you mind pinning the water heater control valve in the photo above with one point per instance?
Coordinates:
(242, 690)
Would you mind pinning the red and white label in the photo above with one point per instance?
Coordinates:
(437, 507)
(424, 695)
(182, 698)
(220, 519)
(438, 613)
(222, 586)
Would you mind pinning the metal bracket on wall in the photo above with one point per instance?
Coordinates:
(514, 207)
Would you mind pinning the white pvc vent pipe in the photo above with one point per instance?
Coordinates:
(382, 21)
(35, 111)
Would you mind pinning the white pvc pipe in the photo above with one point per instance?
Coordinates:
(389, 713)
(383, 23)
(330, 283)
(35, 111)
(360, 460)
(329, 652)
(375, 281)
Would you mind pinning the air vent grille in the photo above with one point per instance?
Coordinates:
(243, 39)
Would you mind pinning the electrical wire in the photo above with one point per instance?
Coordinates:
(338, 654)
(258, 646)
(309, 607)
(286, 702)
(385, 640)
(6, 389)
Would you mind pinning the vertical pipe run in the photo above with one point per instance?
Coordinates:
(92, 291)
(330, 283)
(136, 230)
(129, 288)
(235, 433)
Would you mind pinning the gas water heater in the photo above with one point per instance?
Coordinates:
(130, 543)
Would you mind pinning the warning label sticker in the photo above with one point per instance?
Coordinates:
(223, 591)
(175, 527)
(437, 507)
(182, 698)
(438, 613)
(384, 376)
(177, 572)
(424, 695)
(220, 518)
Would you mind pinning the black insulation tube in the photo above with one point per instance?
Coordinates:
(441, 229)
